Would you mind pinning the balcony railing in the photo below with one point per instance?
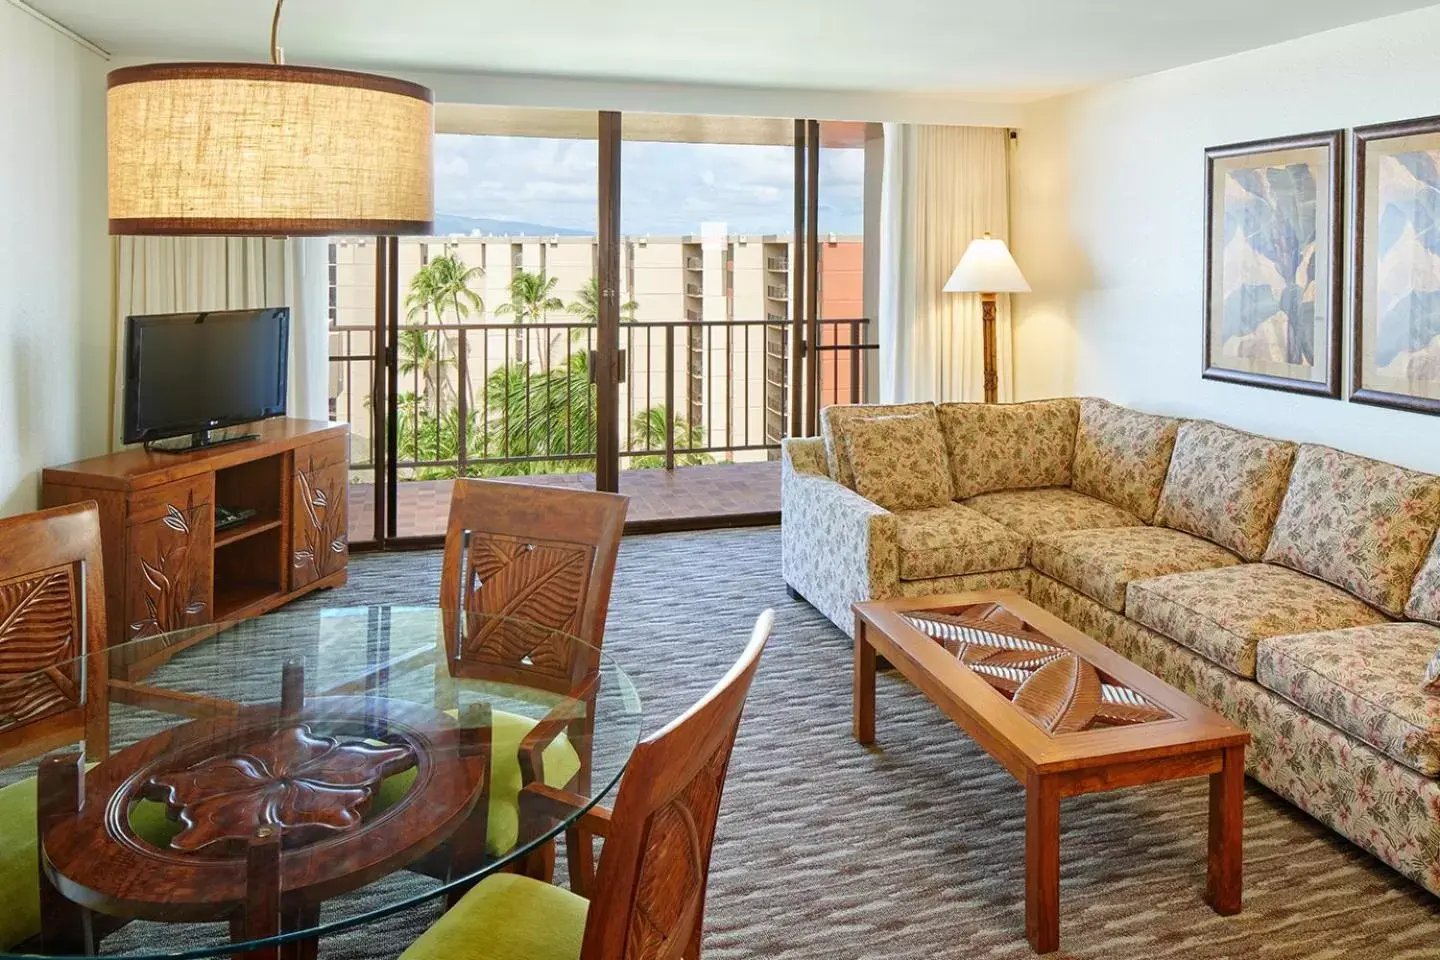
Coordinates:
(778, 264)
(776, 291)
(692, 393)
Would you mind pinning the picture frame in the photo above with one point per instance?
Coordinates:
(1395, 338)
(1274, 245)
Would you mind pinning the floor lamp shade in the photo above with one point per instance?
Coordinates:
(270, 150)
(987, 267)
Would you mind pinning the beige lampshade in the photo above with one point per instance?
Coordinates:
(270, 150)
(987, 267)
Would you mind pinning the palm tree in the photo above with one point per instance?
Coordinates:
(419, 356)
(586, 304)
(532, 296)
(647, 432)
(546, 414)
(444, 283)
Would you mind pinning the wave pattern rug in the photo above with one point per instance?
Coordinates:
(915, 849)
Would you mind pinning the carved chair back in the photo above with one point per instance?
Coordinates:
(535, 563)
(53, 673)
(650, 887)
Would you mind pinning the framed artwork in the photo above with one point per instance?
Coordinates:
(1273, 225)
(1397, 265)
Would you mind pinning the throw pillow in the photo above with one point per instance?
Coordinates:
(1008, 446)
(1425, 596)
(835, 421)
(1122, 456)
(900, 462)
(1359, 524)
(1226, 486)
(1432, 674)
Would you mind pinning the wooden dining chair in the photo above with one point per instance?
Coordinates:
(52, 678)
(648, 898)
(526, 568)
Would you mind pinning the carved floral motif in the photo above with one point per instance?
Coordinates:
(308, 786)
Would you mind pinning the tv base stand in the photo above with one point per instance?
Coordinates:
(197, 441)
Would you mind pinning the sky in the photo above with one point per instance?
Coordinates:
(666, 188)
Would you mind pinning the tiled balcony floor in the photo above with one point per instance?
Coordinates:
(688, 492)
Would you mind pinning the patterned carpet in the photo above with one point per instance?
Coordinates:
(914, 850)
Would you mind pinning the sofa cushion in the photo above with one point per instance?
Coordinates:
(1035, 513)
(1121, 455)
(1363, 681)
(835, 424)
(1225, 485)
(1222, 614)
(899, 462)
(953, 540)
(1424, 603)
(1009, 446)
(1102, 563)
(1360, 524)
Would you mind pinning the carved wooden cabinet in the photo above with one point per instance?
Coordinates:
(166, 566)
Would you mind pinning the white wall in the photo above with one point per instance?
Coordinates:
(1108, 201)
(55, 337)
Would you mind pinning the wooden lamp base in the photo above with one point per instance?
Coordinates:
(992, 375)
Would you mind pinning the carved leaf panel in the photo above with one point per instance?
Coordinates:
(319, 524)
(1058, 690)
(168, 585)
(531, 595)
(39, 641)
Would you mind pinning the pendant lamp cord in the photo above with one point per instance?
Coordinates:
(275, 55)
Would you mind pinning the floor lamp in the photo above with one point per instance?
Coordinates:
(988, 269)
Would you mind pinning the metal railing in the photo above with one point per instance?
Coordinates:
(497, 399)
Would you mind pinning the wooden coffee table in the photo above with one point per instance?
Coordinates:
(1064, 714)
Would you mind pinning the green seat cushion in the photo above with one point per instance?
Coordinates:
(20, 859)
(507, 917)
(506, 731)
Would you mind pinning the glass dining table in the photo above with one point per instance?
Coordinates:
(251, 787)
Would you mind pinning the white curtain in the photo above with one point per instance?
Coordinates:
(178, 274)
(943, 187)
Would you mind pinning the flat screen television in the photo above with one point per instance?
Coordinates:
(189, 373)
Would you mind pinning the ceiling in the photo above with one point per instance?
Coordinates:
(1001, 49)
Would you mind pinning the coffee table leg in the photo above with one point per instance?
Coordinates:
(1042, 864)
(1223, 882)
(863, 692)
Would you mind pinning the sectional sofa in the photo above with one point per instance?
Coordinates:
(1294, 588)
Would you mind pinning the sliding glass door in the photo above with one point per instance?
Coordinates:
(645, 304)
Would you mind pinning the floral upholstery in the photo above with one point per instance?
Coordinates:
(1360, 524)
(1223, 614)
(953, 540)
(1102, 563)
(1121, 456)
(899, 462)
(1009, 446)
(836, 547)
(835, 422)
(1363, 681)
(1017, 580)
(1225, 485)
(1424, 603)
(1383, 806)
(1035, 513)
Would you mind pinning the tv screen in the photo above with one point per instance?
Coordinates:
(190, 372)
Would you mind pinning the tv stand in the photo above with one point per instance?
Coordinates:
(158, 512)
(197, 441)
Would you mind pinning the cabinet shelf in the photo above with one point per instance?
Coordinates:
(223, 538)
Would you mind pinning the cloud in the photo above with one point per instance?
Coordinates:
(666, 188)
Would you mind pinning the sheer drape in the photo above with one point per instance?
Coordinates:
(175, 274)
(943, 187)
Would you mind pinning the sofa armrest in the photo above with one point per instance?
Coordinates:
(837, 548)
